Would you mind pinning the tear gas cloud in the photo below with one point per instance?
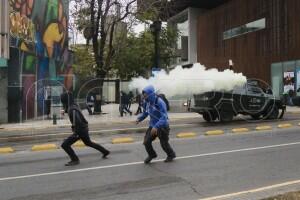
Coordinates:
(190, 81)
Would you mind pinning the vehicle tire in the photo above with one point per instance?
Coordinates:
(273, 113)
(207, 117)
(226, 116)
(255, 117)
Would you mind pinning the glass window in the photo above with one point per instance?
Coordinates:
(247, 28)
(289, 66)
(277, 81)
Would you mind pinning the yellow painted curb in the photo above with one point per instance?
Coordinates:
(122, 140)
(285, 125)
(6, 150)
(261, 128)
(79, 144)
(240, 130)
(293, 112)
(44, 147)
(186, 135)
(215, 132)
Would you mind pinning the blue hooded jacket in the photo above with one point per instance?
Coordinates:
(156, 108)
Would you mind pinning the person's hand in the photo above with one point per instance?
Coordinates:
(154, 132)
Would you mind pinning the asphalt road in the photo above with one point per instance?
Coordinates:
(106, 131)
(205, 167)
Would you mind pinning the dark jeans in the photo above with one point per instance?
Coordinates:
(84, 136)
(48, 106)
(163, 135)
(139, 110)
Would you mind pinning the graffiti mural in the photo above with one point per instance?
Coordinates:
(46, 30)
(22, 27)
(39, 30)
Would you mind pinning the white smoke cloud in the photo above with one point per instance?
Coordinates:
(190, 81)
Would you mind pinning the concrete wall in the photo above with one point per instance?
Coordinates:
(193, 14)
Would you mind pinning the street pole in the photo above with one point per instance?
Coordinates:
(155, 28)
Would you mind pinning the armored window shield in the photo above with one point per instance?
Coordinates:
(4, 29)
(255, 90)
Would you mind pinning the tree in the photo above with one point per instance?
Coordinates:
(84, 63)
(136, 59)
(99, 21)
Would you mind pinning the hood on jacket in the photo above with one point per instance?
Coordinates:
(67, 100)
(150, 91)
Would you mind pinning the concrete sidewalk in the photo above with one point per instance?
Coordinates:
(110, 115)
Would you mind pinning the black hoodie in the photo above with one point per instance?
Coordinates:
(76, 117)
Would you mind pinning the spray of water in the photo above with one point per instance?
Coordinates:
(190, 81)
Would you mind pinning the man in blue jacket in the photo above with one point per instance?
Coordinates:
(155, 107)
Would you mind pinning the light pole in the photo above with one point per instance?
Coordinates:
(155, 28)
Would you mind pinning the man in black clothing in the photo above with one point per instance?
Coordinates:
(79, 128)
(139, 100)
(124, 104)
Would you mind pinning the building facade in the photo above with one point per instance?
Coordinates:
(39, 57)
(261, 37)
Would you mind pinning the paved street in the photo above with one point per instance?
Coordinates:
(105, 132)
(205, 167)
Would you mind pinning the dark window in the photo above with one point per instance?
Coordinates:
(247, 28)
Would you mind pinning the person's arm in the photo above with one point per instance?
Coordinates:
(75, 118)
(164, 115)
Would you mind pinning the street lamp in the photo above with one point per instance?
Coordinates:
(155, 28)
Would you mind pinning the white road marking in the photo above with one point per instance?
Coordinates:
(138, 163)
(253, 191)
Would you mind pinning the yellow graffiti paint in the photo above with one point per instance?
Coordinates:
(24, 47)
(51, 36)
(22, 27)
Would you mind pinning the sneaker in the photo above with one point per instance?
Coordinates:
(148, 159)
(170, 158)
(72, 163)
(105, 154)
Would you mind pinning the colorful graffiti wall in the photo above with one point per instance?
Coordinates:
(39, 30)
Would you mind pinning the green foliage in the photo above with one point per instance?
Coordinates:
(136, 58)
(84, 63)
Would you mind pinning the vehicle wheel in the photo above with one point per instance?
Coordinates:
(207, 117)
(255, 117)
(273, 113)
(226, 116)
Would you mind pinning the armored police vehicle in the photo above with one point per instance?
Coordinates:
(249, 99)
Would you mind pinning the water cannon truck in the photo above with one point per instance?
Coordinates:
(249, 99)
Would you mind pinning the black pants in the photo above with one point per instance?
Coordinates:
(123, 109)
(84, 136)
(163, 135)
(139, 110)
(48, 106)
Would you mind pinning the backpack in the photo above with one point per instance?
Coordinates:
(163, 97)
